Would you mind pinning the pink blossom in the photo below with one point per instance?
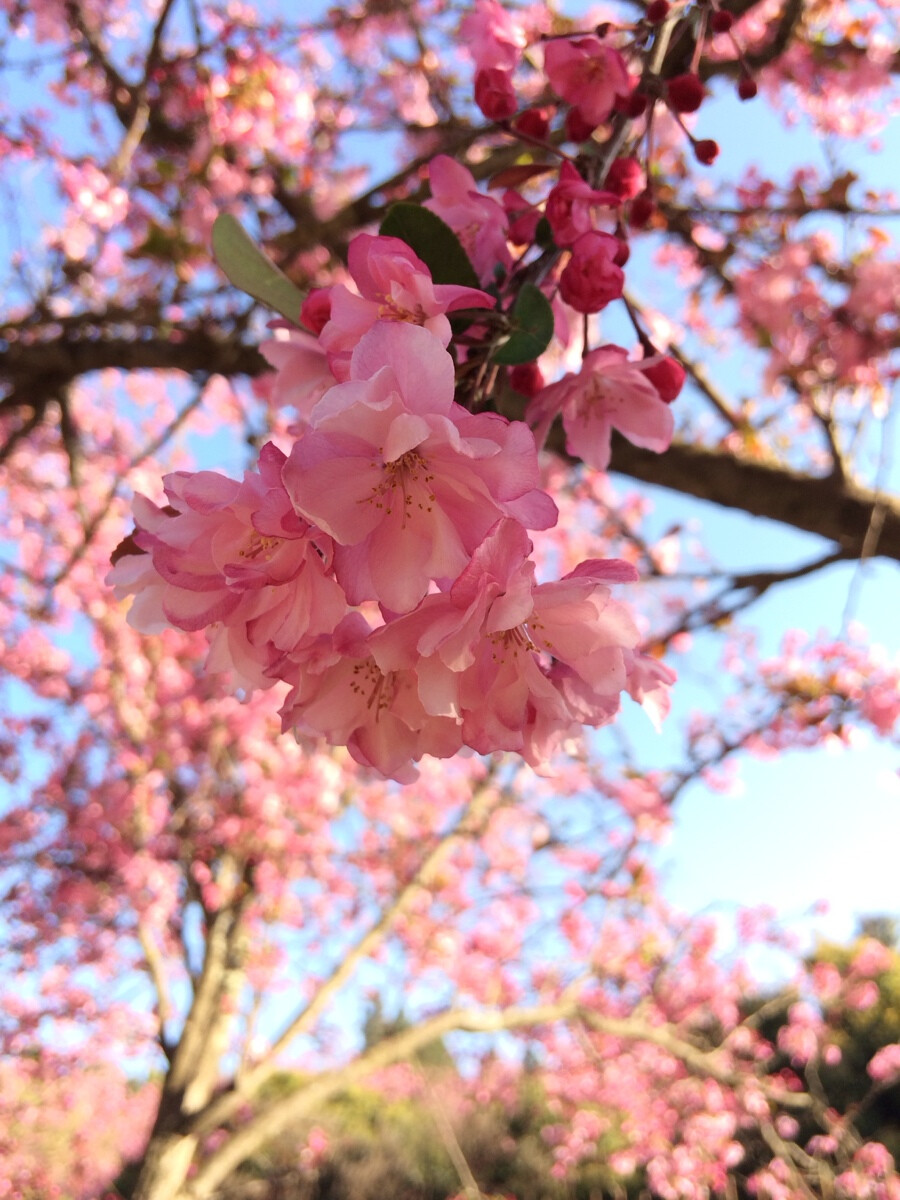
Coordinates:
(478, 221)
(234, 555)
(406, 481)
(609, 392)
(570, 204)
(341, 694)
(872, 957)
(591, 278)
(394, 285)
(586, 72)
(493, 36)
(884, 1065)
(303, 373)
(522, 665)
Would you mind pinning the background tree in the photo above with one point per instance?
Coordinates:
(188, 892)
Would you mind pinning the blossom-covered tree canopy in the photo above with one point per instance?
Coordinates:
(336, 349)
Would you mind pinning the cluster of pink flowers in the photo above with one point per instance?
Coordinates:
(382, 568)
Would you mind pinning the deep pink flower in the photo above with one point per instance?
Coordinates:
(570, 205)
(394, 285)
(477, 220)
(584, 71)
(609, 392)
(591, 278)
(406, 481)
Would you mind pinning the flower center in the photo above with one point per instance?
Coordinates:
(407, 481)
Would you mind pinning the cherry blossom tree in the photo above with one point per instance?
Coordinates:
(335, 352)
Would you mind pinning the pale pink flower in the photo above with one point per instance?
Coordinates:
(302, 370)
(584, 71)
(609, 392)
(406, 481)
(493, 36)
(234, 555)
(342, 694)
(394, 285)
(523, 665)
(478, 221)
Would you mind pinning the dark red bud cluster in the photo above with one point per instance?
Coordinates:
(721, 21)
(657, 11)
(685, 93)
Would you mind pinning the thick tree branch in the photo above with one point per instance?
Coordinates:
(841, 511)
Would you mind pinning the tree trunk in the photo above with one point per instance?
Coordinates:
(165, 1167)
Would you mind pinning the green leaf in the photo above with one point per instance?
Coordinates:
(433, 240)
(249, 269)
(532, 328)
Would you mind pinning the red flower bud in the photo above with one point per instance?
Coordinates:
(578, 129)
(666, 375)
(533, 122)
(633, 105)
(657, 11)
(721, 21)
(641, 210)
(747, 88)
(494, 93)
(591, 278)
(685, 92)
(315, 312)
(706, 151)
(526, 378)
(625, 177)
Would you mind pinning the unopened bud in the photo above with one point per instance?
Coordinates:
(578, 128)
(747, 88)
(625, 177)
(494, 93)
(533, 122)
(315, 312)
(666, 375)
(641, 210)
(526, 378)
(633, 105)
(685, 92)
(721, 21)
(657, 11)
(706, 151)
